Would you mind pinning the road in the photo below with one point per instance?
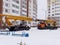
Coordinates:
(36, 37)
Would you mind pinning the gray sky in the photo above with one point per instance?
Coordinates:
(42, 9)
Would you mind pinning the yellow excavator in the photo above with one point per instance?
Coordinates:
(10, 26)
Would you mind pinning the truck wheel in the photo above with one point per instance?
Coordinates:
(12, 28)
(27, 28)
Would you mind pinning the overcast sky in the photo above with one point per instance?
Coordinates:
(42, 9)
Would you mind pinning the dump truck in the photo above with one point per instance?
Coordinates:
(47, 24)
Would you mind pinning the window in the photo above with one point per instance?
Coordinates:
(48, 15)
(57, 10)
(52, 14)
(17, 1)
(24, 11)
(24, 2)
(14, 11)
(57, 14)
(6, 4)
(7, 0)
(6, 10)
(48, 9)
(24, 6)
(34, 9)
(15, 6)
(34, 13)
(17, 12)
(57, 7)
(52, 8)
(49, 12)
(57, 4)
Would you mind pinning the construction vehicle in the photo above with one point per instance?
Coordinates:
(14, 27)
(47, 24)
(5, 19)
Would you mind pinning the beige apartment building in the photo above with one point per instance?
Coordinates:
(19, 8)
(54, 10)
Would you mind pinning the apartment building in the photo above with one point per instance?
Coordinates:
(54, 10)
(33, 11)
(19, 8)
(11, 7)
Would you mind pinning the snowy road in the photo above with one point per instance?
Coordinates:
(36, 37)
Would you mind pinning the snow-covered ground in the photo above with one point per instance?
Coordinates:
(36, 37)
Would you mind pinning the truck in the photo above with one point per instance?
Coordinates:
(5, 19)
(47, 24)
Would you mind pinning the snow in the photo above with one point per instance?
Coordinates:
(36, 37)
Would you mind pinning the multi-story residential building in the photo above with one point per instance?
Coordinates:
(11, 7)
(33, 11)
(54, 11)
(30, 7)
(19, 8)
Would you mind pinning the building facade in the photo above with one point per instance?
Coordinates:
(11, 7)
(54, 10)
(19, 8)
(31, 9)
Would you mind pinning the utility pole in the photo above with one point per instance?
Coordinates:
(27, 8)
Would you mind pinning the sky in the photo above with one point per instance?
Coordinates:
(42, 9)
